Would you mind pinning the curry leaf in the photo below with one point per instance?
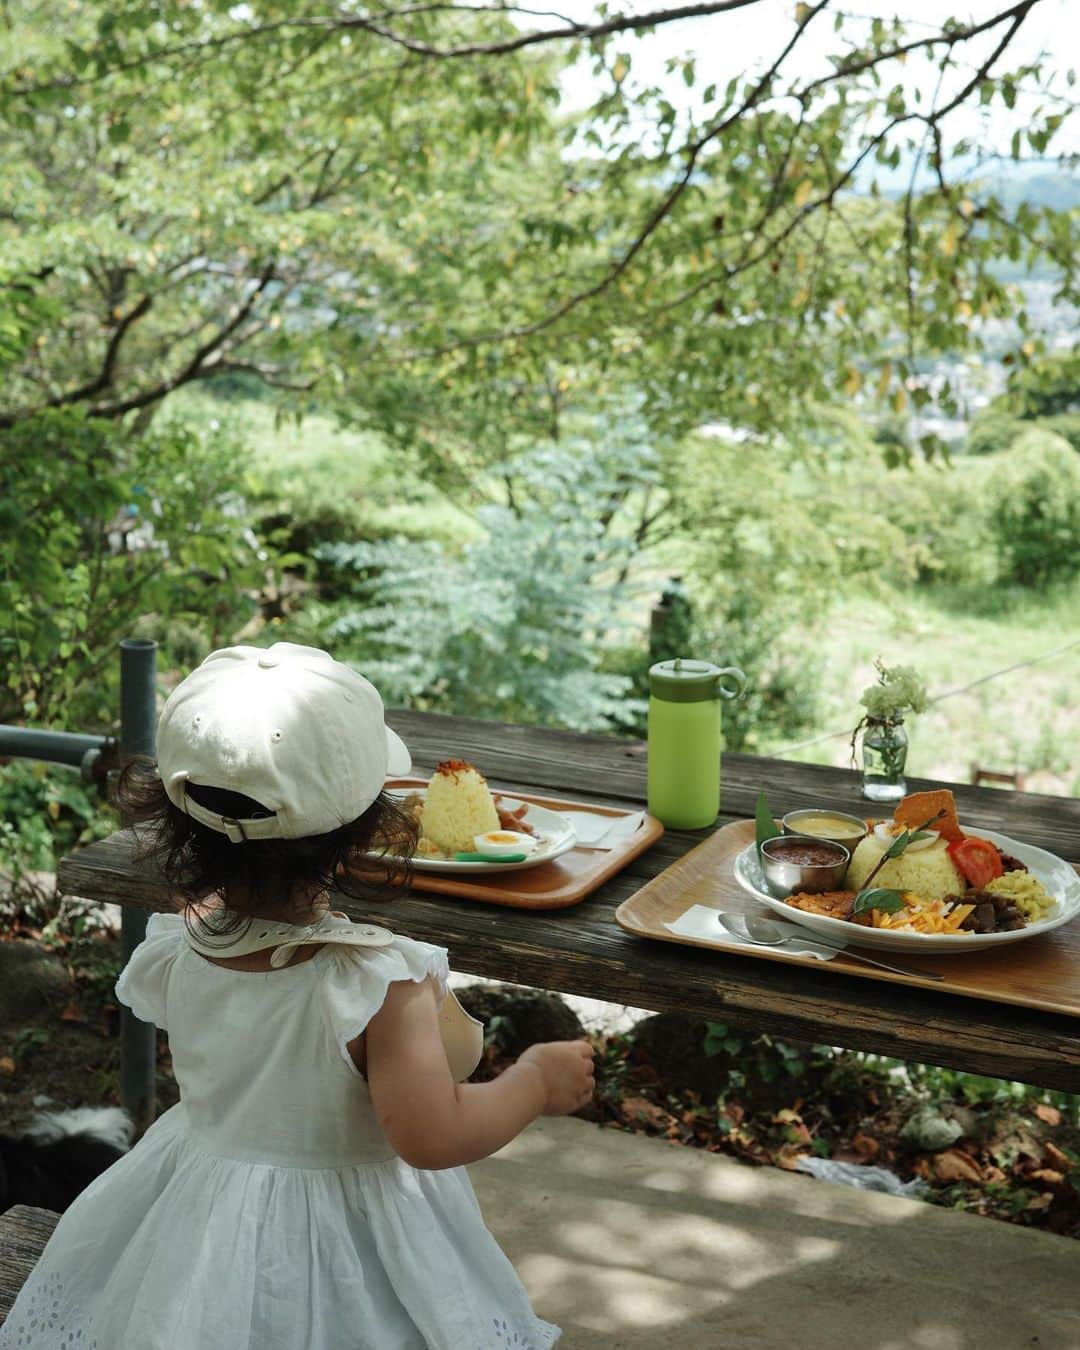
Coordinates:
(766, 826)
(888, 901)
(897, 847)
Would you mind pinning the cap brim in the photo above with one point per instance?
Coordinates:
(398, 759)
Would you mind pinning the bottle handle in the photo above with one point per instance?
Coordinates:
(738, 680)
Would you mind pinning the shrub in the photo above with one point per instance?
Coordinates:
(1065, 425)
(515, 625)
(45, 811)
(940, 518)
(991, 432)
(99, 529)
(1034, 510)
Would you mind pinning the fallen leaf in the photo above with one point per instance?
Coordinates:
(1041, 1202)
(1057, 1159)
(641, 1109)
(7, 1065)
(71, 1013)
(955, 1165)
(1050, 1114)
(1048, 1177)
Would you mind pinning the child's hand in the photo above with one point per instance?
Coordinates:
(567, 1068)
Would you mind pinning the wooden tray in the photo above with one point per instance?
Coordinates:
(1040, 972)
(554, 885)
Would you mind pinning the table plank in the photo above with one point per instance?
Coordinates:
(583, 951)
(24, 1232)
(613, 769)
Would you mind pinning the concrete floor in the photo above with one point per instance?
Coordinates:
(632, 1243)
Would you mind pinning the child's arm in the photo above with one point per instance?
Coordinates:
(433, 1122)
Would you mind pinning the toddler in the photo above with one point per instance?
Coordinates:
(308, 1191)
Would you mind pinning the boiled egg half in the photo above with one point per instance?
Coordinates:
(503, 843)
(887, 833)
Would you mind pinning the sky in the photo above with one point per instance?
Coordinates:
(748, 39)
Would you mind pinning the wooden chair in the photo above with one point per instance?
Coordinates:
(23, 1235)
(1017, 779)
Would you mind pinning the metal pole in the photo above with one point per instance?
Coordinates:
(138, 721)
(57, 747)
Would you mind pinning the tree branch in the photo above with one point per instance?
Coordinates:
(194, 367)
(104, 379)
(662, 210)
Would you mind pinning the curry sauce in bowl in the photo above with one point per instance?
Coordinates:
(836, 826)
(801, 862)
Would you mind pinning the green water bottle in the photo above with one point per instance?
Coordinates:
(684, 739)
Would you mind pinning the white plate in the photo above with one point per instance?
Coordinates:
(1060, 880)
(555, 833)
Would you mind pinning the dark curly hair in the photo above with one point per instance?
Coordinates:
(366, 859)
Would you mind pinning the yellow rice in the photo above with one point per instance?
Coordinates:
(457, 806)
(929, 872)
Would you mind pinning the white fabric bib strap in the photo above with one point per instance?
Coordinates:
(462, 1035)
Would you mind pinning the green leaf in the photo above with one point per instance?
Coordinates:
(766, 826)
(900, 843)
(880, 897)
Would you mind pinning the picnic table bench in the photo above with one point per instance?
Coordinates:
(581, 950)
(23, 1234)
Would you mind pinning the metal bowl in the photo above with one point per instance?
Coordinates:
(784, 877)
(858, 831)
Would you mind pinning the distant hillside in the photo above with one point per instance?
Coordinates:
(1060, 190)
(1012, 183)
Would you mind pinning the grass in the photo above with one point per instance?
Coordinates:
(323, 470)
(1028, 719)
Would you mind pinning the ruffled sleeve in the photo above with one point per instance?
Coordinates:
(144, 981)
(355, 981)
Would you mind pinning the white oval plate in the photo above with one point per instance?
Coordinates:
(1060, 880)
(556, 837)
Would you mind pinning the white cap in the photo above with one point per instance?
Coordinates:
(286, 725)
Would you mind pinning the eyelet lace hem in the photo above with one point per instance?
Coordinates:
(44, 1318)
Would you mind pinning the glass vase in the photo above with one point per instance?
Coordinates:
(884, 753)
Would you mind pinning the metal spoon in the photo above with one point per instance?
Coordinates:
(763, 933)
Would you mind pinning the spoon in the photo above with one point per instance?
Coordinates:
(762, 933)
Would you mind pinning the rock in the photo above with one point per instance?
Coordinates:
(927, 1129)
(517, 1018)
(30, 979)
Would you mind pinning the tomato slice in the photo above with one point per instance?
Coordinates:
(977, 859)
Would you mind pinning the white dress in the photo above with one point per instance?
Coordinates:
(266, 1210)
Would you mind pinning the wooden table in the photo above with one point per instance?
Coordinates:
(23, 1235)
(581, 950)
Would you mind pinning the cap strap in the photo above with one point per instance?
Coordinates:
(238, 831)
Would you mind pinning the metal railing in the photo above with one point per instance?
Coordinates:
(96, 757)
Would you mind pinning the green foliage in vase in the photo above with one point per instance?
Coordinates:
(897, 691)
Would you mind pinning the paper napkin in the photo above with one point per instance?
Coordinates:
(596, 831)
(699, 921)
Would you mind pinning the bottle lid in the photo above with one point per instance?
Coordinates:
(684, 681)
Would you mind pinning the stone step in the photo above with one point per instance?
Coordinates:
(632, 1243)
